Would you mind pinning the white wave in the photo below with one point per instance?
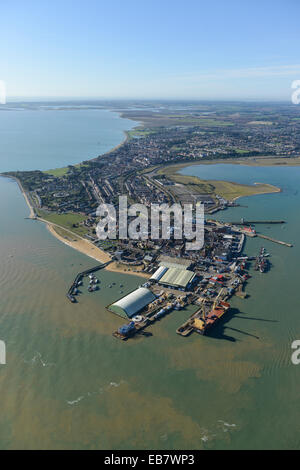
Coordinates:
(114, 384)
(227, 424)
(73, 402)
(97, 392)
(38, 359)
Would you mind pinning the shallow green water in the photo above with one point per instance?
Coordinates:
(69, 384)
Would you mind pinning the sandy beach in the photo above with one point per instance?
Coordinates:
(80, 244)
(88, 249)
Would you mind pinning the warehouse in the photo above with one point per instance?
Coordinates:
(178, 278)
(132, 303)
(158, 273)
(171, 262)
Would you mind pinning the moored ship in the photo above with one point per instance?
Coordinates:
(202, 325)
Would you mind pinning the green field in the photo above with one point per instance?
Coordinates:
(62, 171)
(58, 171)
(153, 120)
(139, 132)
(226, 189)
(68, 220)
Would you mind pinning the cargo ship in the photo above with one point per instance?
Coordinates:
(202, 325)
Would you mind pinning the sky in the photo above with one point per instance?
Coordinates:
(150, 49)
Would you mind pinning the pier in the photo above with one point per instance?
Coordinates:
(274, 241)
(254, 222)
(248, 222)
(80, 276)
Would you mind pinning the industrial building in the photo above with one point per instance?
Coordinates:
(158, 273)
(171, 262)
(178, 278)
(132, 303)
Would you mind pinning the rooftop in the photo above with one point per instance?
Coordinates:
(132, 303)
(177, 277)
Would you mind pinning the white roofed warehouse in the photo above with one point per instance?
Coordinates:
(177, 278)
(158, 273)
(132, 303)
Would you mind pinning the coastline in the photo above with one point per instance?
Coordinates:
(32, 214)
(116, 147)
(89, 249)
(230, 190)
(273, 189)
(270, 160)
(77, 242)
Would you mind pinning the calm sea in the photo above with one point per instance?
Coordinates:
(50, 137)
(69, 384)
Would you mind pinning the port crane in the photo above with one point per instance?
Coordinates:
(202, 311)
(217, 298)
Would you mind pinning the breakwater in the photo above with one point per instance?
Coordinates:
(80, 276)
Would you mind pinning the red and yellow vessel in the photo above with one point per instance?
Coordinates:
(203, 324)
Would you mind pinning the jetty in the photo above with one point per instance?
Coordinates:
(254, 222)
(274, 241)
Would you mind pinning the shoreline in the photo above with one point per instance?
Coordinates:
(268, 187)
(270, 160)
(81, 244)
(116, 147)
(276, 190)
(89, 249)
(32, 214)
(86, 247)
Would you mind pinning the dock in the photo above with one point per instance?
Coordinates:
(150, 318)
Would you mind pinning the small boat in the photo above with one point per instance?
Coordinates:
(71, 298)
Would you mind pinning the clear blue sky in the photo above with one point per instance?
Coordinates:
(214, 49)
